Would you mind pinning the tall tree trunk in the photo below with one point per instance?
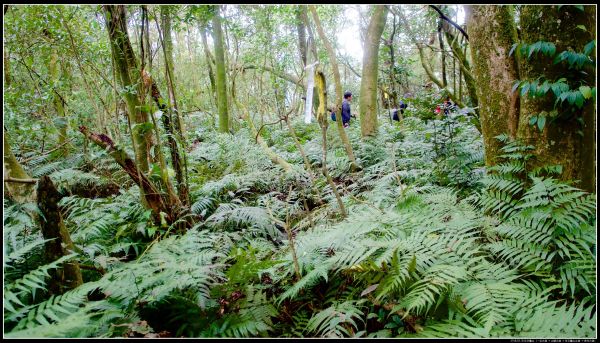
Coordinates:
(210, 61)
(167, 41)
(167, 121)
(368, 84)
(129, 75)
(394, 93)
(443, 53)
(301, 16)
(57, 100)
(179, 165)
(20, 192)
(221, 79)
(59, 244)
(568, 140)
(7, 79)
(151, 89)
(338, 87)
(492, 33)
(126, 65)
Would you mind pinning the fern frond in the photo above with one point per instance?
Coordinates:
(336, 320)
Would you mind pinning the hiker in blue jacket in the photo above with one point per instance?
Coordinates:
(346, 113)
(395, 111)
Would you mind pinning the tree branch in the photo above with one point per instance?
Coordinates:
(282, 75)
(443, 16)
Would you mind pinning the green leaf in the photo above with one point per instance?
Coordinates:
(151, 230)
(563, 96)
(541, 122)
(533, 120)
(572, 58)
(559, 57)
(586, 91)
(556, 89)
(515, 86)
(525, 89)
(579, 7)
(579, 100)
(533, 48)
(533, 87)
(512, 49)
(142, 128)
(551, 49)
(544, 88)
(412, 266)
(572, 97)
(582, 27)
(589, 47)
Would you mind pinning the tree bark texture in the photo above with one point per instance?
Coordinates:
(57, 100)
(493, 32)
(560, 142)
(171, 113)
(368, 84)
(20, 192)
(221, 77)
(126, 65)
(60, 244)
(7, 79)
(300, 15)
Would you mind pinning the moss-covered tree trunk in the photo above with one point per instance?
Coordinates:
(570, 139)
(19, 191)
(442, 53)
(338, 87)
(210, 62)
(171, 113)
(129, 75)
(492, 32)
(221, 77)
(59, 244)
(6, 60)
(301, 28)
(57, 100)
(368, 84)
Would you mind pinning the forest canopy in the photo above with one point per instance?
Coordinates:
(299, 171)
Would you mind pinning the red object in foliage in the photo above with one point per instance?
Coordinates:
(438, 110)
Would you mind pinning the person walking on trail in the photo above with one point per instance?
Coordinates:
(448, 105)
(346, 113)
(395, 111)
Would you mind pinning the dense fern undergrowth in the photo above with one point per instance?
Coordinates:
(434, 244)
